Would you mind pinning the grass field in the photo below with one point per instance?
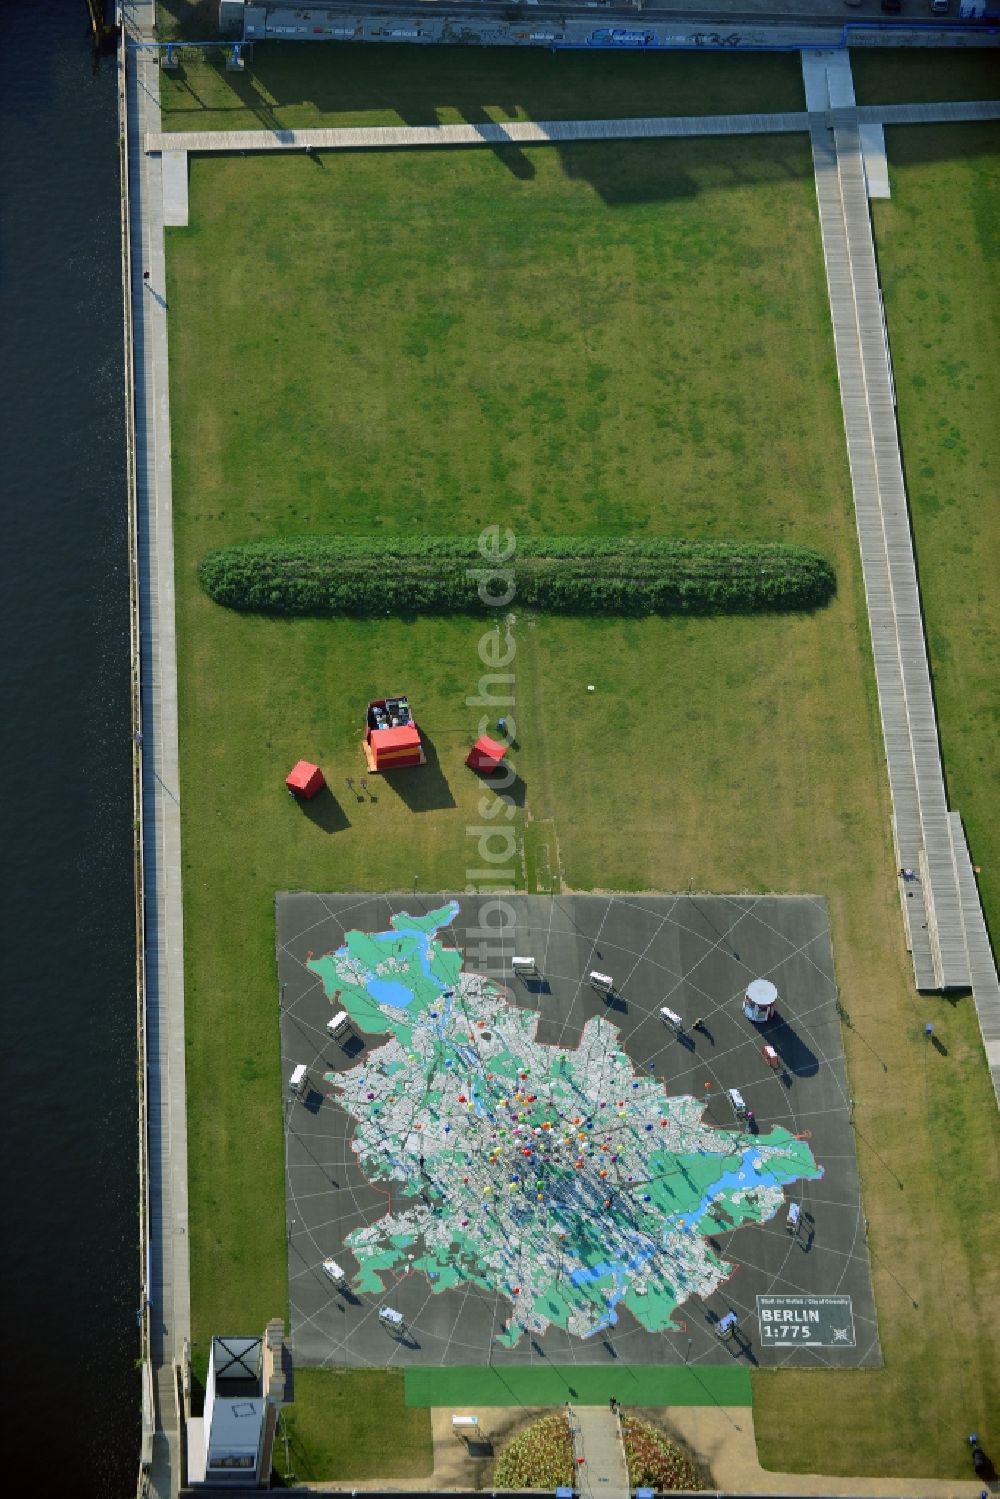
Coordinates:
(354, 1425)
(332, 83)
(593, 340)
(939, 244)
(924, 75)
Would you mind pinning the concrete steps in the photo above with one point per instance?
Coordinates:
(600, 1455)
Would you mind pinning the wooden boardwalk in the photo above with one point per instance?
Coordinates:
(946, 931)
(929, 114)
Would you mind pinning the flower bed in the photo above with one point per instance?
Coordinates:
(539, 1458)
(654, 1461)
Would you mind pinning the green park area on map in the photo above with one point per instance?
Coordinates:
(560, 1178)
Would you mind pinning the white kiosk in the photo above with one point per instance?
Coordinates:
(335, 1272)
(671, 1020)
(523, 968)
(299, 1080)
(392, 1320)
(602, 982)
(340, 1026)
(760, 1002)
(738, 1102)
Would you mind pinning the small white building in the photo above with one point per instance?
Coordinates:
(230, 1445)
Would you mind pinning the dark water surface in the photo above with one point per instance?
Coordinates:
(68, 1245)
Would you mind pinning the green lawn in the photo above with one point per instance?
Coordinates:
(550, 1384)
(311, 84)
(939, 246)
(594, 340)
(924, 75)
(354, 1425)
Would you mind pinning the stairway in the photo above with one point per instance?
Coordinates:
(602, 1473)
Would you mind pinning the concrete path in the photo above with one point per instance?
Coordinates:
(169, 1278)
(597, 1447)
(508, 132)
(546, 132)
(872, 139)
(175, 188)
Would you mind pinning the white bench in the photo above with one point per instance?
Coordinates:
(299, 1080)
(463, 1424)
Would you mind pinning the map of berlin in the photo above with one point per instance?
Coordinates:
(559, 1177)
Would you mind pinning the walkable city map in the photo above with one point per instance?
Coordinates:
(490, 1162)
(555, 1174)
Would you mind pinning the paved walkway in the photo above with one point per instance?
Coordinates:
(544, 132)
(931, 905)
(508, 132)
(167, 1121)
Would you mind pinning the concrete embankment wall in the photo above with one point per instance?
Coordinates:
(142, 1068)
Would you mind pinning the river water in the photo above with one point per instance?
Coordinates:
(69, 1244)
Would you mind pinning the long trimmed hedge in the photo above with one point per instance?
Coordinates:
(552, 574)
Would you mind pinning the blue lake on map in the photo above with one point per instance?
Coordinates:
(388, 992)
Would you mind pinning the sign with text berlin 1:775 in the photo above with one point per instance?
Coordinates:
(806, 1321)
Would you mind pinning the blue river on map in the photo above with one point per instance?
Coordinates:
(390, 991)
(731, 1181)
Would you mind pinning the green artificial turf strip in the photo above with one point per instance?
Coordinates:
(924, 75)
(319, 84)
(607, 343)
(939, 247)
(469, 1385)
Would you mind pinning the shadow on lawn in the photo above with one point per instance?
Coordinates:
(326, 80)
(326, 812)
(424, 788)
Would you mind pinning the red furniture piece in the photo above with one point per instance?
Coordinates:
(305, 780)
(486, 755)
(392, 739)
